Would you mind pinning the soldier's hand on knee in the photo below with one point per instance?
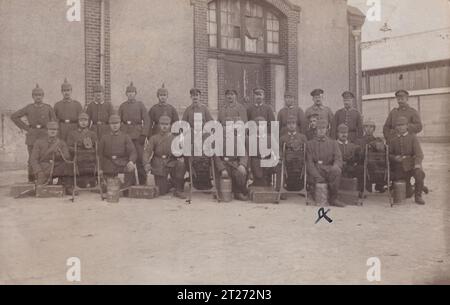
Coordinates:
(147, 167)
(130, 166)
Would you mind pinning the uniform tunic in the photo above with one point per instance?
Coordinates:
(190, 111)
(409, 148)
(115, 151)
(99, 114)
(261, 110)
(86, 158)
(285, 112)
(234, 110)
(324, 163)
(411, 114)
(47, 151)
(67, 111)
(323, 112)
(156, 111)
(352, 118)
(293, 144)
(158, 154)
(352, 168)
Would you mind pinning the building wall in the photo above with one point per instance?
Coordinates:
(323, 46)
(39, 45)
(152, 48)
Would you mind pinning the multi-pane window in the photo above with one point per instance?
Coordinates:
(212, 25)
(243, 25)
(273, 34)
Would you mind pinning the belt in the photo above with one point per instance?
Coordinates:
(116, 157)
(230, 159)
(162, 157)
(68, 121)
(131, 123)
(37, 126)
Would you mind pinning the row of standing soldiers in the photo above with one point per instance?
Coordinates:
(133, 137)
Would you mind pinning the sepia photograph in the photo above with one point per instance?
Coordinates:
(225, 142)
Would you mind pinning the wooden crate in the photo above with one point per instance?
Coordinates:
(49, 191)
(143, 192)
(263, 195)
(22, 189)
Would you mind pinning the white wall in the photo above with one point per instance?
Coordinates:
(151, 43)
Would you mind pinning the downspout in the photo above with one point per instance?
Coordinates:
(102, 43)
(357, 37)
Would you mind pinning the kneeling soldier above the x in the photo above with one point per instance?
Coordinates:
(117, 153)
(159, 160)
(406, 156)
(48, 157)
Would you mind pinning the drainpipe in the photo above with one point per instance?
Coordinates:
(102, 42)
(357, 37)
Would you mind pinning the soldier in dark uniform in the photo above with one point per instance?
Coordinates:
(293, 142)
(160, 161)
(85, 140)
(162, 107)
(67, 111)
(49, 156)
(117, 153)
(323, 112)
(99, 112)
(406, 156)
(38, 115)
(311, 129)
(260, 109)
(262, 176)
(135, 123)
(291, 109)
(232, 109)
(234, 165)
(324, 162)
(196, 107)
(404, 110)
(374, 145)
(351, 155)
(348, 116)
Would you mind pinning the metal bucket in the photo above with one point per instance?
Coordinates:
(399, 194)
(226, 194)
(321, 194)
(112, 190)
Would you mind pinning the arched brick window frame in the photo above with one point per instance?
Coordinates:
(288, 54)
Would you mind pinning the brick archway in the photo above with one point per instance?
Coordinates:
(288, 54)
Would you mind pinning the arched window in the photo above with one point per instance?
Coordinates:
(243, 25)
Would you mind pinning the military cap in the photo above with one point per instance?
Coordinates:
(37, 90)
(258, 89)
(162, 90)
(289, 94)
(98, 88)
(322, 123)
(83, 116)
(164, 119)
(194, 91)
(114, 118)
(291, 118)
(131, 88)
(52, 125)
(348, 95)
(401, 120)
(401, 92)
(260, 119)
(342, 128)
(369, 122)
(316, 92)
(66, 85)
(231, 90)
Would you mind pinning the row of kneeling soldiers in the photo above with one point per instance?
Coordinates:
(136, 140)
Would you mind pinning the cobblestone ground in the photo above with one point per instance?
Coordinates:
(167, 241)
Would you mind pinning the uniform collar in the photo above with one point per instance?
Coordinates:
(131, 101)
(52, 139)
(343, 143)
(38, 104)
(290, 107)
(162, 104)
(115, 133)
(321, 139)
(101, 102)
(67, 100)
(258, 105)
(292, 133)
